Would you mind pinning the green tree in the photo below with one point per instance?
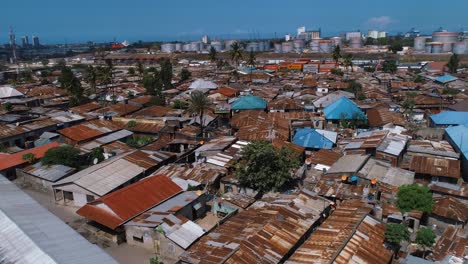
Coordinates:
(178, 104)
(166, 73)
(155, 260)
(72, 85)
(396, 47)
(453, 63)
(96, 154)
(354, 87)
(337, 72)
(199, 103)
(141, 69)
(395, 234)
(263, 168)
(131, 71)
(213, 54)
(348, 61)
(91, 77)
(64, 155)
(336, 54)
(185, 74)
(418, 79)
(45, 62)
(414, 197)
(251, 62)
(131, 123)
(236, 53)
(29, 157)
(425, 238)
(7, 106)
(389, 66)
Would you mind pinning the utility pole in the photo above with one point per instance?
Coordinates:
(13, 49)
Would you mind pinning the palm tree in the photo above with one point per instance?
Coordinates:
(213, 54)
(251, 61)
(198, 103)
(236, 53)
(348, 61)
(336, 54)
(91, 77)
(107, 75)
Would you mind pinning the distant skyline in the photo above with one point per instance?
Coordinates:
(58, 21)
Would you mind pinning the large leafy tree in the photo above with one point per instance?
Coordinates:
(395, 234)
(236, 53)
(414, 197)
(154, 86)
(348, 61)
(389, 66)
(453, 63)
(199, 103)
(166, 73)
(425, 238)
(263, 168)
(336, 54)
(185, 74)
(91, 76)
(64, 155)
(72, 85)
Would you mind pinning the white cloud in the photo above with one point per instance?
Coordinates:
(380, 22)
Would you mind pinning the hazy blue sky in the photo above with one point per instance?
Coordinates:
(103, 20)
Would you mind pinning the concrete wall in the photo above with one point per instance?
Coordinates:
(35, 182)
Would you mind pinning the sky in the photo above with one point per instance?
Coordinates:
(64, 21)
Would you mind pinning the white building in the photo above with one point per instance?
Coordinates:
(375, 34)
(287, 37)
(301, 30)
(205, 39)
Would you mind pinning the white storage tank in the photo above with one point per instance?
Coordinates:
(337, 41)
(461, 47)
(448, 39)
(298, 45)
(168, 47)
(252, 46)
(186, 47)
(428, 48)
(217, 45)
(325, 46)
(196, 46)
(419, 43)
(437, 47)
(355, 43)
(287, 47)
(315, 45)
(278, 48)
(228, 43)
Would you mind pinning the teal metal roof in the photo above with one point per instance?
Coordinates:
(343, 108)
(249, 102)
(446, 78)
(459, 136)
(450, 118)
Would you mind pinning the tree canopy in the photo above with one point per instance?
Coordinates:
(72, 85)
(263, 168)
(213, 54)
(64, 155)
(236, 53)
(414, 197)
(453, 63)
(336, 54)
(166, 73)
(396, 233)
(185, 74)
(198, 103)
(425, 237)
(389, 66)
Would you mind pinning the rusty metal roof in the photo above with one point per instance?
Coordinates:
(381, 115)
(452, 242)
(435, 166)
(325, 157)
(348, 235)
(264, 233)
(88, 130)
(450, 208)
(124, 204)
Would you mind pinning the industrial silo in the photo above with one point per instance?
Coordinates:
(168, 47)
(261, 46)
(355, 43)
(315, 45)
(448, 39)
(419, 43)
(287, 47)
(298, 45)
(460, 47)
(336, 41)
(436, 47)
(196, 46)
(217, 45)
(228, 43)
(278, 48)
(252, 46)
(428, 48)
(186, 47)
(325, 45)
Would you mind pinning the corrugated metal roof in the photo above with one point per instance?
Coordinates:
(446, 78)
(108, 175)
(8, 91)
(384, 172)
(16, 159)
(435, 166)
(31, 234)
(183, 234)
(315, 138)
(249, 102)
(203, 84)
(393, 144)
(50, 173)
(459, 135)
(264, 233)
(343, 108)
(348, 164)
(124, 204)
(450, 118)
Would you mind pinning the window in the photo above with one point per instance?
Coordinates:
(89, 198)
(138, 239)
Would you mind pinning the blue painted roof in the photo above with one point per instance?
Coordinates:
(459, 136)
(310, 138)
(343, 108)
(450, 118)
(249, 102)
(445, 78)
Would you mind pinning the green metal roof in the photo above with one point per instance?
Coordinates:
(249, 102)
